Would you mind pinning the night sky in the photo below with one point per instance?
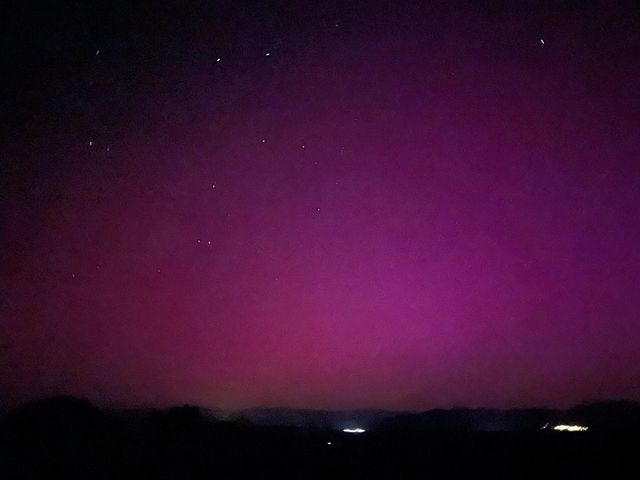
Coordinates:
(403, 205)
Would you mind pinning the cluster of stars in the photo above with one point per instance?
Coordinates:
(218, 60)
(303, 147)
(91, 143)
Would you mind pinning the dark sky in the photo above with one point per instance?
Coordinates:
(393, 204)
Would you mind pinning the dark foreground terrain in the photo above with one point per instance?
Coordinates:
(69, 438)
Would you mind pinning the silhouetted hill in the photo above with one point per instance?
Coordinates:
(462, 419)
(322, 419)
(61, 435)
(610, 415)
(66, 437)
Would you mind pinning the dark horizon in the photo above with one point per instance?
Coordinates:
(106, 405)
(603, 415)
(69, 438)
(621, 402)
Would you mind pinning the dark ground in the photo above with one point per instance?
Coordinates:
(68, 438)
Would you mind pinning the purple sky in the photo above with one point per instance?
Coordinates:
(373, 205)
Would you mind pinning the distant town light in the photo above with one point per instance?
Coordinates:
(570, 428)
(353, 430)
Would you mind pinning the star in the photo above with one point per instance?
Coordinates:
(213, 187)
(218, 59)
(267, 54)
(97, 52)
(542, 41)
(91, 143)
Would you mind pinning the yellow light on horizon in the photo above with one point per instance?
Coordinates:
(570, 428)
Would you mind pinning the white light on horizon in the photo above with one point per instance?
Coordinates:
(570, 428)
(353, 430)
